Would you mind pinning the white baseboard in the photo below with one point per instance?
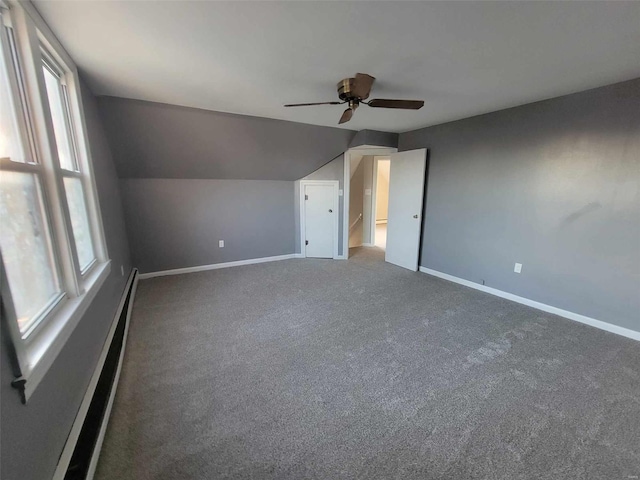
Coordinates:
(215, 266)
(381, 222)
(625, 332)
(72, 439)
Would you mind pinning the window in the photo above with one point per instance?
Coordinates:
(51, 242)
(58, 97)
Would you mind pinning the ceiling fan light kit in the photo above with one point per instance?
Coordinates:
(354, 91)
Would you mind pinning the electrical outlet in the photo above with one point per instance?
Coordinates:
(221, 243)
(122, 270)
(517, 268)
(340, 193)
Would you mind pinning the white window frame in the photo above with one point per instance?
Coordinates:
(36, 349)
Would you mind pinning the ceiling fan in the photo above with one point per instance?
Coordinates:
(355, 91)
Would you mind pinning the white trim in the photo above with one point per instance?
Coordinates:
(336, 208)
(368, 245)
(625, 332)
(346, 200)
(72, 439)
(215, 266)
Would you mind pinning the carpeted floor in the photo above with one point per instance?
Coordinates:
(320, 369)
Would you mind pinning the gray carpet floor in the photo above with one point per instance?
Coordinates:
(320, 369)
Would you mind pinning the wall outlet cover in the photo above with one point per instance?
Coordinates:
(517, 268)
(340, 193)
(220, 243)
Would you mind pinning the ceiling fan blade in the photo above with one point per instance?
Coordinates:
(362, 85)
(346, 116)
(404, 104)
(311, 104)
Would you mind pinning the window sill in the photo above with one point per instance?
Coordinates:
(45, 347)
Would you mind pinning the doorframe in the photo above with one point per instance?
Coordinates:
(336, 209)
(374, 195)
(374, 150)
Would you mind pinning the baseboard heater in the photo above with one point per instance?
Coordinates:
(80, 455)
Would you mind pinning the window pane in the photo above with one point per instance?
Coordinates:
(26, 247)
(58, 115)
(10, 142)
(79, 221)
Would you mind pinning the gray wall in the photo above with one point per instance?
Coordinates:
(177, 223)
(553, 185)
(334, 170)
(375, 137)
(34, 435)
(153, 140)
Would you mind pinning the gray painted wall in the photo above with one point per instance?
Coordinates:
(152, 140)
(177, 223)
(375, 137)
(333, 170)
(554, 185)
(34, 435)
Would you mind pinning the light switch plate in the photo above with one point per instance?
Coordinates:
(517, 268)
(340, 193)
(221, 243)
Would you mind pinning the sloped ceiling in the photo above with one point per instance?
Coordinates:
(152, 140)
(462, 58)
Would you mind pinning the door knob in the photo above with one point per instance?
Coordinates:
(415, 216)
(330, 211)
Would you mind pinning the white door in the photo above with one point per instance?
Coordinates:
(406, 191)
(320, 213)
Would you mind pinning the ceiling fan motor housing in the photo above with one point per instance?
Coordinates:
(344, 89)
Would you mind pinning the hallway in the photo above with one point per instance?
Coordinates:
(381, 236)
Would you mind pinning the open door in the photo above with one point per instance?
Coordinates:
(406, 192)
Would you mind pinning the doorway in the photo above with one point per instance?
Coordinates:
(319, 208)
(358, 228)
(380, 202)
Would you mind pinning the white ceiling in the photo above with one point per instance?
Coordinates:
(251, 58)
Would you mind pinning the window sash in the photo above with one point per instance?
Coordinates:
(28, 165)
(16, 85)
(52, 304)
(68, 135)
